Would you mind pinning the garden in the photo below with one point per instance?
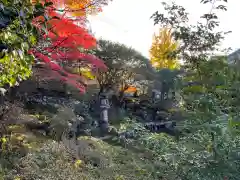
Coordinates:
(80, 108)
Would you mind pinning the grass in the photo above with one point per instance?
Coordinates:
(31, 156)
(99, 160)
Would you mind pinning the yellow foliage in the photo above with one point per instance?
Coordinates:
(88, 74)
(77, 6)
(162, 46)
(17, 178)
(20, 137)
(119, 177)
(209, 147)
(78, 163)
(85, 72)
(80, 7)
(3, 140)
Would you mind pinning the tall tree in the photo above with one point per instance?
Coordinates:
(196, 42)
(125, 65)
(163, 49)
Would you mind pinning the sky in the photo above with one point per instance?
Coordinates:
(128, 22)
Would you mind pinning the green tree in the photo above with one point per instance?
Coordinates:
(207, 146)
(196, 42)
(17, 36)
(125, 65)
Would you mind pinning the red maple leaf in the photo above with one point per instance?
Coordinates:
(65, 33)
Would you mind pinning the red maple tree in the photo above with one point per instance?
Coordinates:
(62, 42)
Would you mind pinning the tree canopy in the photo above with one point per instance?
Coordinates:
(163, 49)
(64, 38)
(124, 64)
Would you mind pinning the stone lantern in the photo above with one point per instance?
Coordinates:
(104, 106)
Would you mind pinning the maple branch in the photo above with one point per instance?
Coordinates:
(54, 47)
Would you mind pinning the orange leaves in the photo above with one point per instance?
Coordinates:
(131, 89)
(80, 8)
(77, 8)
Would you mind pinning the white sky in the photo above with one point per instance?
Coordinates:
(128, 21)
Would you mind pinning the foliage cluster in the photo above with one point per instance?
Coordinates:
(161, 50)
(18, 35)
